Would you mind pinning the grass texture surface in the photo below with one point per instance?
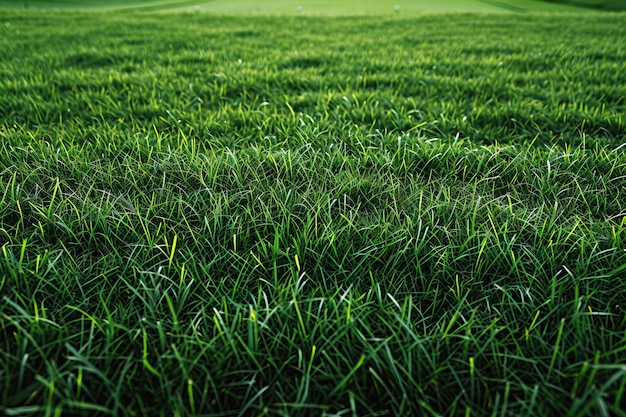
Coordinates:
(310, 7)
(212, 215)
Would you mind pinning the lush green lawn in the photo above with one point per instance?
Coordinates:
(298, 215)
(378, 7)
(307, 7)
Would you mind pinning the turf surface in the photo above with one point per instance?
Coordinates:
(296, 215)
(306, 7)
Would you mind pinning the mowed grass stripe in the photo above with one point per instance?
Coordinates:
(242, 215)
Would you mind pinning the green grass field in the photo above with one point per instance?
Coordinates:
(297, 215)
(314, 7)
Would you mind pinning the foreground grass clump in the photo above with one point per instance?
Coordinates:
(225, 216)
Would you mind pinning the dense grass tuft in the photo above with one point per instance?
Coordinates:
(312, 216)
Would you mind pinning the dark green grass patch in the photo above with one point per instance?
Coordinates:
(595, 4)
(301, 216)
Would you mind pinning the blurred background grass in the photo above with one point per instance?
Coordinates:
(330, 6)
